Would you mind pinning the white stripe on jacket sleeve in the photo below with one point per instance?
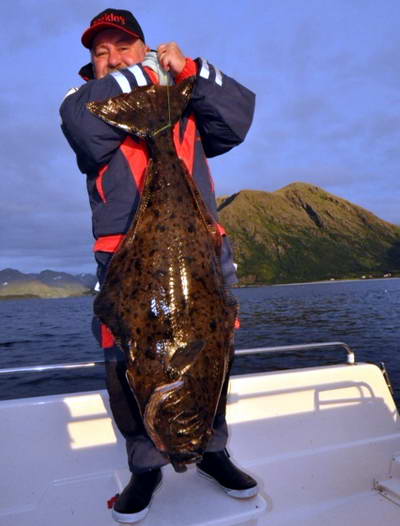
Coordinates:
(122, 81)
(139, 76)
(70, 92)
(205, 69)
(218, 76)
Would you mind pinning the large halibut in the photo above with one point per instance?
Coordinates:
(164, 297)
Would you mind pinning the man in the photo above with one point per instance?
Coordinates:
(218, 118)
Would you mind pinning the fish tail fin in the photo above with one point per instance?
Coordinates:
(146, 109)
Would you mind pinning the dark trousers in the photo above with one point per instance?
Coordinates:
(142, 454)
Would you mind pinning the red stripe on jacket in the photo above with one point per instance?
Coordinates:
(137, 156)
(108, 243)
(107, 337)
(99, 182)
(185, 149)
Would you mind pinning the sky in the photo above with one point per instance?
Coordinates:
(326, 77)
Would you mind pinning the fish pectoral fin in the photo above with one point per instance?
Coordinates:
(185, 357)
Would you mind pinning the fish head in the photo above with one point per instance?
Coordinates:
(145, 110)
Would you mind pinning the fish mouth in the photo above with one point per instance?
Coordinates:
(182, 439)
(179, 461)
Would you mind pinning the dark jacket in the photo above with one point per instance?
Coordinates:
(217, 118)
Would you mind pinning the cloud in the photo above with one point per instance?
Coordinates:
(326, 77)
(380, 67)
(44, 210)
(384, 127)
(308, 115)
(63, 239)
(30, 22)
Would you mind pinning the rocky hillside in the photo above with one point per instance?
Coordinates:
(303, 233)
(298, 233)
(47, 284)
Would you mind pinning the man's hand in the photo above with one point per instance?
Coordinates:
(171, 58)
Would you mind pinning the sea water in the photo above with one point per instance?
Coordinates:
(364, 314)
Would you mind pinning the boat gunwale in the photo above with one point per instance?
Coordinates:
(351, 360)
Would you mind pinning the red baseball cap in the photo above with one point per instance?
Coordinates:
(112, 18)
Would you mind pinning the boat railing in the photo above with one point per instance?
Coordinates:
(303, 348)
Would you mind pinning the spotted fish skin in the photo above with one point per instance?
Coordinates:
(164, 297)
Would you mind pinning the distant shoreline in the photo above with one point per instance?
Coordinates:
(319, 282)
(322, 281)
(329, 281)
(36, 297)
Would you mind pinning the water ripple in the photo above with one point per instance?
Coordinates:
(363, 314)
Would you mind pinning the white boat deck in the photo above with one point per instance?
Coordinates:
(323, 442)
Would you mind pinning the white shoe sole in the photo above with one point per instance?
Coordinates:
(235, 493)
(131, 518)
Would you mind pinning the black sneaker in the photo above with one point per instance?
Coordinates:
(134, 502)
(219, 468)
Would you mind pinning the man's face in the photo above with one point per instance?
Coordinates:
(114, 49)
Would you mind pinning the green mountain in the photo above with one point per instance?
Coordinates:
(298, 233)
(303, 233)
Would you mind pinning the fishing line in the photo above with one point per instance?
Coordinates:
(169, 124)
